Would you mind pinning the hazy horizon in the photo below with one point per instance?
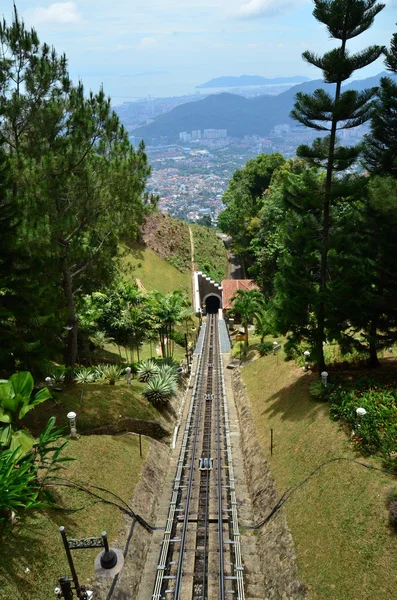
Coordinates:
(166, 48)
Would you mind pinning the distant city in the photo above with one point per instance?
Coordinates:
(191, 175)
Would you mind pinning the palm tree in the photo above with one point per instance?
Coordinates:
(168, 311)
(262, 325)
(247, 305)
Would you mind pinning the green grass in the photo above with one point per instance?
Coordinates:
(210, 254)
(146, 351)
(339, 519)
(109, 462)
(96, 406)
(156, 273)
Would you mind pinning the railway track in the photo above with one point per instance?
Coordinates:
(200, 556)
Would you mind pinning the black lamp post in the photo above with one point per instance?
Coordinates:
(108, 563)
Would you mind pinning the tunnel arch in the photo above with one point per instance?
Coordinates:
(213, 303)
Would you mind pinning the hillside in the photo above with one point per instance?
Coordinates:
(339, 518)
(240, 116)
(162, 260)
(210, 255)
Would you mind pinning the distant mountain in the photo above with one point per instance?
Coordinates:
(240, 116)
(248, 80)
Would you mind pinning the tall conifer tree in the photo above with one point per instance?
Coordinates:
(344, 20)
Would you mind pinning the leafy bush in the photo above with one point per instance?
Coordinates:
(319, 391)
(15, 401)
(178, 338)
(161, 388)
(58, 374)
(110, 373)
(146, 370)
(377, 430)
(85, 375)
(265, 348)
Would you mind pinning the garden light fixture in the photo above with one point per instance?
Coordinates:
(72, 424)
(128, 375)
(361, 412)
(48, 381)
(324, 377)
(306, 354)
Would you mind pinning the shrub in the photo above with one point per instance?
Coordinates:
(178, 338)
(110, 373)
(377, 430)
(318, 390)
(85, 375)
(265, 348)
(146, 370)
(161, 388)
(58, 375)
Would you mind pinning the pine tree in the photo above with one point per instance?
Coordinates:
(380, 150)
(345, 20)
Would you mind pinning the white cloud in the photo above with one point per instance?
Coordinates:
(57, 13)
(148, 43)
(254, 9)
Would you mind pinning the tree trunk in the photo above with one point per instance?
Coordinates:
(373, 353)
(325, 231)
(246, 337)
(71, 354)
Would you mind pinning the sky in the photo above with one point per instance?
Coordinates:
(167, 47)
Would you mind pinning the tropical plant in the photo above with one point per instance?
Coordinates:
(247, 305)
(19, 490)
(58, 375)
(24, 479)
(85, 375)
(168, 312)
(265, 348)
(146, 370)
(109, 373)
(262, 325)
(15, 401)
(161, 388)
(100, 339)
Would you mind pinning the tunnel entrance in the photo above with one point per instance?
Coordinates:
(212, 304)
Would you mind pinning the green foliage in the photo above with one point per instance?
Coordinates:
(247, 305)
(322, 111)
(376, 431)
(109, 373)
(319, 391)
(85, 375)
(161, 388)
(62, 143)
(15, 401)
(23, 477)
(265, 348)
(210, 254)
(147, 369)
(244, 200)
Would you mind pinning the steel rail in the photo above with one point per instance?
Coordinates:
(162, 563)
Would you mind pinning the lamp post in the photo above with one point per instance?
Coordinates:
(108, 563)
(324, 377)
(72, 424)
(306, 354)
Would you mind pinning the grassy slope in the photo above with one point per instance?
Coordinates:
(209, 253)
(339, 519)
(95, 404)
(156, 273)
(110, 462)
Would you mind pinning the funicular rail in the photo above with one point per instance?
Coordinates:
(200, 556)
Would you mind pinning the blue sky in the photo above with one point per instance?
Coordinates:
(166, 47)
